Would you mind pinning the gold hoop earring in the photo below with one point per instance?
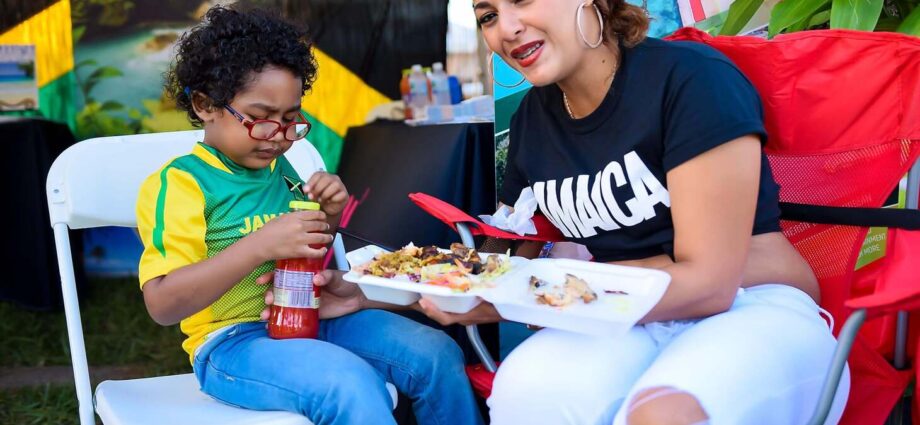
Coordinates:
(581, 31)
(495, 80)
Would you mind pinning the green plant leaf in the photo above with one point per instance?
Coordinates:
(799, 26)
(111, 105)
(819, 18)
(911, 24)
(78, 33)
(88, 86)
(739, 14)
(856, 14)
(86, 62)
(105, 72)
(788, 12)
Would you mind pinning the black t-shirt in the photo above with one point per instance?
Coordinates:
(601, 179)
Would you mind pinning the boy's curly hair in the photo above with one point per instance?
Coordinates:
(217, 56)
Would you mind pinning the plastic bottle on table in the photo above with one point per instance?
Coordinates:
(404, 91)
(456, 95)
(295, 312)
(419, 91)
(440, 85)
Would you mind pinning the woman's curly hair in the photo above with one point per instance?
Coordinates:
(218, 56)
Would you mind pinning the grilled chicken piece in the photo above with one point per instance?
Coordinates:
(537, 284)
(459, 250)
(492, 264)
(579, 288)
(429, 251)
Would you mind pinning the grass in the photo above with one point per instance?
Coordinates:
(117, 332)
(46, 404)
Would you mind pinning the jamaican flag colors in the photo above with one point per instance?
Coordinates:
(47, 26)
(362, 46)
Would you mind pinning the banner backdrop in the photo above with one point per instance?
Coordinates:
(45, 25)
(362, 47)
(125, 46)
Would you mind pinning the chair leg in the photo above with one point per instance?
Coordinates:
(472, 331)
(74, 325)
(832, 380)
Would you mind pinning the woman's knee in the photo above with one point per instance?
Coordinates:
(564, 378)
(664, 406)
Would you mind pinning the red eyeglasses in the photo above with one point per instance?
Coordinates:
(266, 129)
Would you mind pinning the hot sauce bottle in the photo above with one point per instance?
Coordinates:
(295, 312)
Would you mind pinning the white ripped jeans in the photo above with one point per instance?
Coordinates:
(761, 362)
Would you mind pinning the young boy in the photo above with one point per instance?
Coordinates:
(211, 222)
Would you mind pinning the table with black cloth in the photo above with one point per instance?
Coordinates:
(29, 262)
(390, 160)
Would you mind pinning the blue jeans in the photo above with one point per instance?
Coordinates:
(340, 377)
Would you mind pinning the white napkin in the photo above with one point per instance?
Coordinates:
(520, 221)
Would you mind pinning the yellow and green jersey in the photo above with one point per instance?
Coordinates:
(196, 206)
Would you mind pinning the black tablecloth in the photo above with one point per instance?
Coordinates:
(454, 162)
(29, 261)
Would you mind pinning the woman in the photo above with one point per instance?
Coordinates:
(649, 153)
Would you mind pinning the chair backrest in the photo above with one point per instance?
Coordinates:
(842, 111)
(95, 182)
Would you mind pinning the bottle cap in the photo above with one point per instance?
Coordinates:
(303, 206)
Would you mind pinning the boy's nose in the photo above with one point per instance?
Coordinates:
(278, 137)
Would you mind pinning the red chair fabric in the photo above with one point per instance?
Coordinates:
(452, 215)
(842, 111)
(481, 379)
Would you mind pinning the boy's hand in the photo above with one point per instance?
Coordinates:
(338, 297)
(291, 236)
(328, 190)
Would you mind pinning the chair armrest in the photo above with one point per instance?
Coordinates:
(338, 249)
(471, 330)
(902, 291)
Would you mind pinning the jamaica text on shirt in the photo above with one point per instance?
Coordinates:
(251, 224)
(578, 211)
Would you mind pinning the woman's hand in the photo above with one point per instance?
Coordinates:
(339, 298)
(291, 236)
(328, 190)
(483, 313)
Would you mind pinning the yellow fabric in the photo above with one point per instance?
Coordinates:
(183, 235)
(339, 98)
(210, 159)
(50, 32)
(199, 205)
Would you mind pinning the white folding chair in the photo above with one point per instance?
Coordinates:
(95, 183)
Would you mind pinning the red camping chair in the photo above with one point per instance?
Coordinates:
(842, 109)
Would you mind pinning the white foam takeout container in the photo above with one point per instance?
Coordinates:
(610, 314)
(405, 292)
